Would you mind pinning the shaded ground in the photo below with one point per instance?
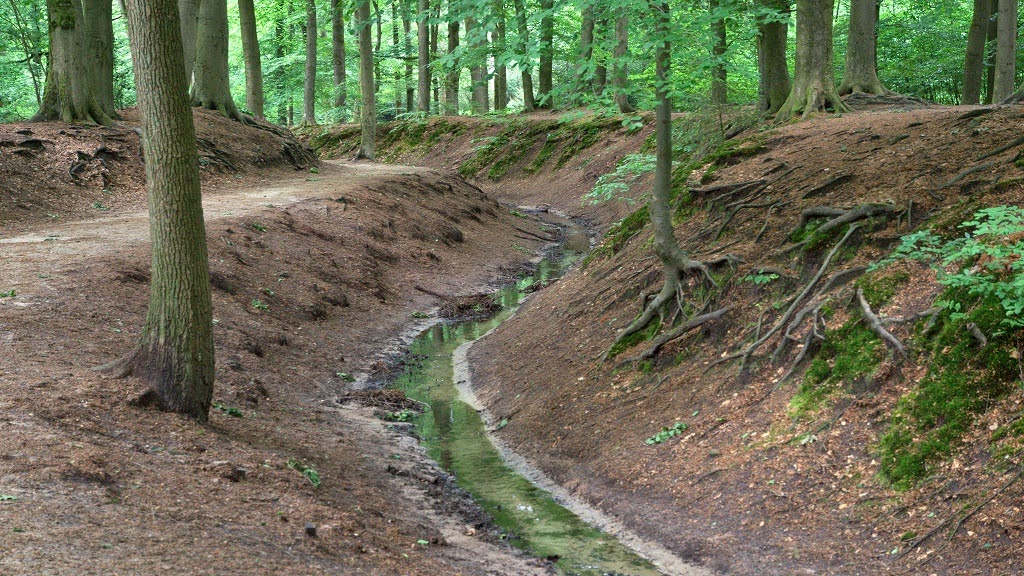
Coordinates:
(314, 275)
(753, 485)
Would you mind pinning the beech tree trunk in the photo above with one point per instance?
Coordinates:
(338, 52)
(547, 55)
(773, 71)
(309, 85)
(584, 67)
(434, 81)
(498, 49)
(70, 91)
(251, 55)
(423, 57)
(813, 82)
(478, 72)
(394, 45)
(188, 12)
(1006, 50)
(620, 68)
(860, 74)
(525, 66)
(719, 75)
(600, 65)
(368, 106)
(991, 33)
(212, 87)
(410, 90)
(974, 62)
(175, 356)
(451, 82)
(99, 40)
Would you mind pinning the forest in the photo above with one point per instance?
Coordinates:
(511, 287)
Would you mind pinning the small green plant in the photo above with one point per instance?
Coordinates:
(345, 376)
(229, 410)
(306, 470)
(404, 415)
(257, 226)
(517, 214)
(9, 294)
(761, 278)
(99, 206)
(667, 432)
(420, 315)
(314, 170)
(259, 305)
(614, 185)
(7, 498)
(633, 123)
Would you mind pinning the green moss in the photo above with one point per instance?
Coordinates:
(1007, 184)
(617, 236)
(579, 137)
(850, 353)
(736, 149)
(962, 381)
(543, 155)
(879, 289)
(635, 338)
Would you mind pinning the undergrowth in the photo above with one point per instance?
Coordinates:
(849, 354)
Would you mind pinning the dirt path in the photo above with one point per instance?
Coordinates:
(91, 485)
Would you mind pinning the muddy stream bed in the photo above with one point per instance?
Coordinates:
(454, 430)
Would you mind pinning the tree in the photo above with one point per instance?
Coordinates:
(423, 56)
(188, 12)
(813, 82)
(974, 61)
(523, 56)
(861, 74)
(251, 55)
(480, 102)
(620, 54)
(70, 93)
(368, 120)
(99, 42)
(547, 54)
(338, 51)
(719, 77)
(211, 88)
(309, 86)
(1006, 50)
(175, 355)
(584, 77)
(498, 49)
(451, 82)
(773, 71)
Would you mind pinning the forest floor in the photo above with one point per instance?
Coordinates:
(318, 274)
(767, 476)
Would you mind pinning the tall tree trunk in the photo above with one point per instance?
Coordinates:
(368, 105)
(600, 63)
(773, 71)
(410, 90)
(1006, 50)
(522, 54)
(974, 62)
(175, 354)
(338, 51)
(376, 50)
(30, 49)
(395, 47)
(620, 68)
(498, 49)
(251, 55)
(309, 85)
(451, 82)
(435, 83)
(547, 55)
(860, 74)
(99, 40)
(585, 65)
(813, 81)
(212, 87)
(991, 33)
(423, 57)
(719, 75)
(188, 12)
(69, 94)
(478, 72)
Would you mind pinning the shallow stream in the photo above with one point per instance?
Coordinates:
(455, 436)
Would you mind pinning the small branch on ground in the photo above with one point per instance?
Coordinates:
(680, 330)
(875, 323)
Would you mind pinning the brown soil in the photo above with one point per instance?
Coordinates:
(736, 492)
(91, 485)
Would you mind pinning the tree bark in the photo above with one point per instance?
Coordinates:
(1006, 50)
(394, 47)
(423, 57)
(69, 94)
(368, 121)
(478, 72)
(188, 12)
(585, 65)
(620, 67)
(547, 55)
(974, 61)
(773, 71)
(175, 356)
(991, 33)
(212, 87)
(451, 82)
(522, 54)
(600, 64)
(434, 80)
(813, 82)
(719, 75)
(338, 52)
(410, 90)
(860, 74)
(498, 50)
(309, 84)
(99, 40)
(251, 55)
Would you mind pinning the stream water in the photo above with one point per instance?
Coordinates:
(455, 436)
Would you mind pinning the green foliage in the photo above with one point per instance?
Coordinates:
(229, 410)
(404, 415)
(9, 294)
(345, 376)
(259, 305)
(257, 227)
(761, 278)
(667, 432)
(308, 471)
(615, 184)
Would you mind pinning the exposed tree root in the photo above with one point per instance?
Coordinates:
(965, 174)
(682, 329)
(1001, 149)
(841, 217)
(876, 325)
(978, 335)
(828, 185)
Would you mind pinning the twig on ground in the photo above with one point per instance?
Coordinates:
(875, 323)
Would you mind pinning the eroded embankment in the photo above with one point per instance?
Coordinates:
(860, 462)
(311, 278)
